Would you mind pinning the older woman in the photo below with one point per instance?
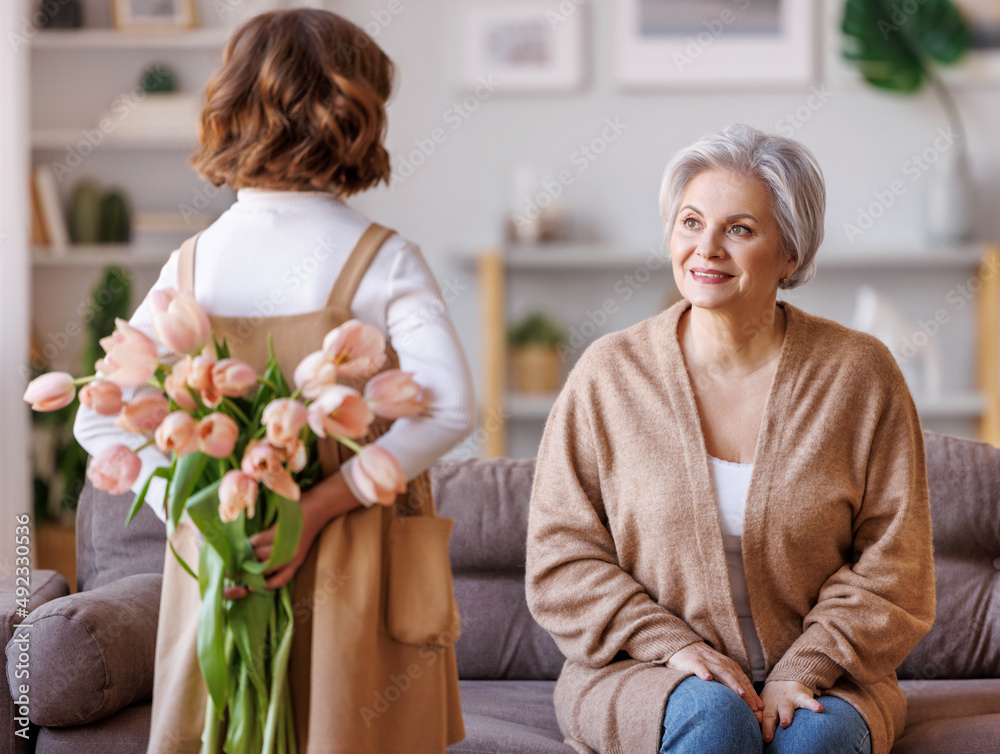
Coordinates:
(730, 514)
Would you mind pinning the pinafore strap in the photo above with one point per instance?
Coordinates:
(346, 285)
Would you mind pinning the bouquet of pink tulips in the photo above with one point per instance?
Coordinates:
(242, 446)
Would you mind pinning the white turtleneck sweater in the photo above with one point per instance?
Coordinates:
(275, 253)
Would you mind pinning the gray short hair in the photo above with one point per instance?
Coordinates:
(789, 170)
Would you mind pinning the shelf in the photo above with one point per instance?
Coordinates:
(61, 138)
(97, 255)
(587, 257)
(110, 39)
(953, 406)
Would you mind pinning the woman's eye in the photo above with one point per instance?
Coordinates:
(744, 230)
(690, 222)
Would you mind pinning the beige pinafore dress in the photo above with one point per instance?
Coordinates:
(354, 688)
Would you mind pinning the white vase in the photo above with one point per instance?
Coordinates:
(949, 196)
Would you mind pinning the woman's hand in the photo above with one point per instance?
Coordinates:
(708, 664)
(781, 699)
(320, 505)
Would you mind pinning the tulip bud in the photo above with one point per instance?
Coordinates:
(259, 459)
(314, 374)
(232, 377)
(179, 322)
(284, 419)
(177, 433)
(378, 475)
(50, 392)
(217, 435)
(357, 348)
(144, 414)
(114, 469)
(340, 410)
(394, 394)
(177, 387)
(131, 357)
(237, 492)
(104, 396)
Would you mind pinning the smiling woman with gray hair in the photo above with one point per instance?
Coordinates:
(730, 518)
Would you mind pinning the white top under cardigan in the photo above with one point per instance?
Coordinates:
(732, 480)
(276, 253)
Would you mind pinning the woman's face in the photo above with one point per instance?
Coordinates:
(725, 226)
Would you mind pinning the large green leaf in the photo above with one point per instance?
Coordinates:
(286, 536)
(203, 508)
(212, 628)
(189, 471)
(249, 618)
(893, 44)
(161, 473)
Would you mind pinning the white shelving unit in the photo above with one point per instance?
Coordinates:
(499, 269)
(110, 39)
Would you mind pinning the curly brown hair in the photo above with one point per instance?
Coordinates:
(298, 104)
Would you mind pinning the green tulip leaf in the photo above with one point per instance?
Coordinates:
(211, 627)
(188, 473)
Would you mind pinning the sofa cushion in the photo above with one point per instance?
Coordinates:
(107, 550)
(124, 733)
(488, 499)
(92, 652)
(964, 642)
(951, 716)
(500, 639)
(509, 716)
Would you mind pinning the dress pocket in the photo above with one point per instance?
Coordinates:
(420, 600)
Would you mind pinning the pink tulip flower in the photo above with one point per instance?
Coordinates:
(340, 410)
(314, 374)
(260, 459)
(131, 357)
(104, 396)
(176, 385)
(237, 492)
(232, 377)
(217, 435)
(394, 394)
(179, 322)
(357, 349)
(296, 456)
(281, 483)
(114, 469)
(378, 475)
(144, 414)
(284, 419)
(177, 433)
(51, 391)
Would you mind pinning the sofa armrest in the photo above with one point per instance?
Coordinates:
(92, 653)
(45, 586)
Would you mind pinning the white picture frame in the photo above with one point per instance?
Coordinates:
(719, 48)
(521, 47)
(153, 15)
(979, 69)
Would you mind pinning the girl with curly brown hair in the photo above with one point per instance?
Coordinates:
(294, 121)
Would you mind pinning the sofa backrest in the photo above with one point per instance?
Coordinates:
(488, 499)
(964, 642)
(107, 550)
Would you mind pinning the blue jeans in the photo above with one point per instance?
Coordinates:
(705, 717)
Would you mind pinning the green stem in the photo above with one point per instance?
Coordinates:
(150, 441)
(85, 380)
(296, 394)
(348, 442)
(210, 733)
(265, 381)
(950, 108)
(231, 404)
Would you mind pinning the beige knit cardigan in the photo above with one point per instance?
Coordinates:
(626, 564)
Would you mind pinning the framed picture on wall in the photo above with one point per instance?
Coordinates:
(521, 46)
(152, 15)
(691, 44)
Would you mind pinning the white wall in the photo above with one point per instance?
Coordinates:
(14, 455)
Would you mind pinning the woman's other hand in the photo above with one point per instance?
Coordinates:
(708, 664)
(320, 505)
(781, 699)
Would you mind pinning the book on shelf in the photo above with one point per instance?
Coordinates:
(39, 234)
(52, 212)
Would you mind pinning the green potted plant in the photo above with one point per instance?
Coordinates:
(898, 47)
(534, 342)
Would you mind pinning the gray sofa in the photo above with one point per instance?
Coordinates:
(91, 653)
